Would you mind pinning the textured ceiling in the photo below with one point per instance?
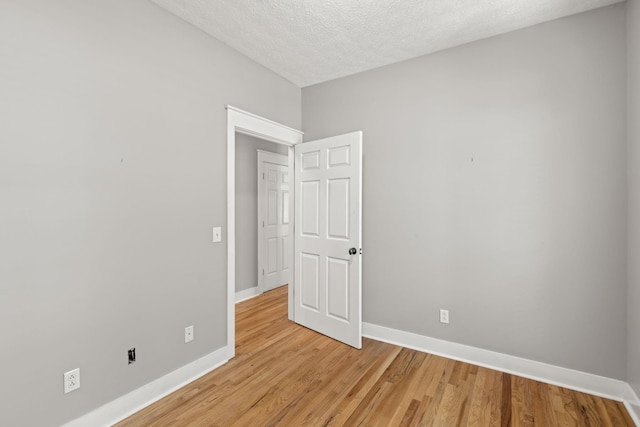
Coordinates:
(311, 41)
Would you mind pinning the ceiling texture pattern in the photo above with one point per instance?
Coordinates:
(312, 41)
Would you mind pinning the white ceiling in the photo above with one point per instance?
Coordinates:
(312, 41)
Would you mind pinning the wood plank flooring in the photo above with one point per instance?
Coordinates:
(286, 375)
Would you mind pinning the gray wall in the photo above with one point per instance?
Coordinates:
(633, 47)
(495, 187)
(112, 173)
(247, 207)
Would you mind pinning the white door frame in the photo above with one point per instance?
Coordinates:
(249, 124)
(276, 159)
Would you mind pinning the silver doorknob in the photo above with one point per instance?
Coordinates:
(353, 251)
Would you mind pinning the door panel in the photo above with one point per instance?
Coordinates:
(286, 251)
(338, 288)
(272, 255)
(310, 196)
(272, 207)
(338, 205)
(310, 161)
(339, 156)
(309, 272)
(285, 205)
(328, 197)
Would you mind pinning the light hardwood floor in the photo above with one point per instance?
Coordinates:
(286, 375)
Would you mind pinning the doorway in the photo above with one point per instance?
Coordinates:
(241, 122)
(261, 236)
(326, 290)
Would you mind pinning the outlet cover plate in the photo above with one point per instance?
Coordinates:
(188, 334)
(444, 316)
(71, 380)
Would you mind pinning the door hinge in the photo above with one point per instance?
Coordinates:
(263, 176)
(263, 271)
(262, 224)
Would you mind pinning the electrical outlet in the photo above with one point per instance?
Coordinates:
(71, 380)
(444, 316)
(188, 334)
(131, 354)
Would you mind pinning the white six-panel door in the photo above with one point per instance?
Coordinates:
(328, 211)
(274, 253)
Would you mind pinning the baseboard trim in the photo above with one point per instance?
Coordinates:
(247, 294)
(634, 412)
(564, 377)
(632, 403)
(130, 403)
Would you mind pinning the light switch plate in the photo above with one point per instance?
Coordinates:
(217, 234)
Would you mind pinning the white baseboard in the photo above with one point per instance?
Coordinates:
(132, 402)
(631, 396)
(247, 294)
(632, 403)
(634, 411)
(564, 377)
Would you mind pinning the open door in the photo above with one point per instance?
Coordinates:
(274, 239)
(328, 230)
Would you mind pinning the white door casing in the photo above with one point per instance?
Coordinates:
(328, 226)
(239, 121)
(274, 238)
